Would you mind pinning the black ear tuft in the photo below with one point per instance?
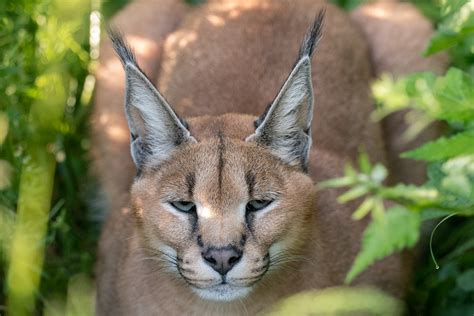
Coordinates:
(121, 47)
(313, 35)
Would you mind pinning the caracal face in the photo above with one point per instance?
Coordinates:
(221, 209)
(223, 214)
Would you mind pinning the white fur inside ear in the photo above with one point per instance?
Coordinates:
(151, 118)
(286, 125)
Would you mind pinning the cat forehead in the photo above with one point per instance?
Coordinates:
(218, 161)
(219, 154)
(230, 125)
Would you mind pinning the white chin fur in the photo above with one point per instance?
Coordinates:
(223, 293)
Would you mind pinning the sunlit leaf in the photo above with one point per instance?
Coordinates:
(450, 97)
(363, 209)
(339, 301)
(444, 148)
(353, 193)
(457, 25)
(337, 182)
(411, 193)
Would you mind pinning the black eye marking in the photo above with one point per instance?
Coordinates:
(257, 205)
(250, 180)
(191, 182)
(184, 206)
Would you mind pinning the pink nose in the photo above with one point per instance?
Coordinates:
(222, 259)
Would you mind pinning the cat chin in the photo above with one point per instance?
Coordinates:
(223, 292)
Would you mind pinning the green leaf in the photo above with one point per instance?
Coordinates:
(337, 182)
(456, 27)
(352, 194)
(349, 171)
(363, 209)
(444, 148)
(410, 193)
(398, 230)
(454, 95)
(339, 301)
(378, 212)
(364, 163)
(441, 40)
(449, 98)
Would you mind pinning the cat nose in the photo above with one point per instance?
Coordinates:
(222, 259)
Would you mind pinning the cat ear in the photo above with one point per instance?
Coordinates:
(285, 127)
(155, 128)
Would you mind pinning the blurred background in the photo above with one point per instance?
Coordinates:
(50, 211)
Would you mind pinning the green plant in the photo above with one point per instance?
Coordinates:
(45, 44)
(450, 189)
(46, 236)
(339, 301)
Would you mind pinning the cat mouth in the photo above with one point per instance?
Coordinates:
(238, 282)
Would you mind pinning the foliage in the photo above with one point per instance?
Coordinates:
(450, 187)
(456, 30)
(45, 62)
(339, 301)
(44, 98)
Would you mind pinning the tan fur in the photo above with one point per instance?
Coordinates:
(232, 57)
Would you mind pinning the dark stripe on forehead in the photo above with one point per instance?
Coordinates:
(220, 166)
(190, 182)
(250, 179)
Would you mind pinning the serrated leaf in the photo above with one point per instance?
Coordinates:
(454, 95)
(398, 230)
(444, 148)
(407, 192)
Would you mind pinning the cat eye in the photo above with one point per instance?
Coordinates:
(257, 205)
(184, 206)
